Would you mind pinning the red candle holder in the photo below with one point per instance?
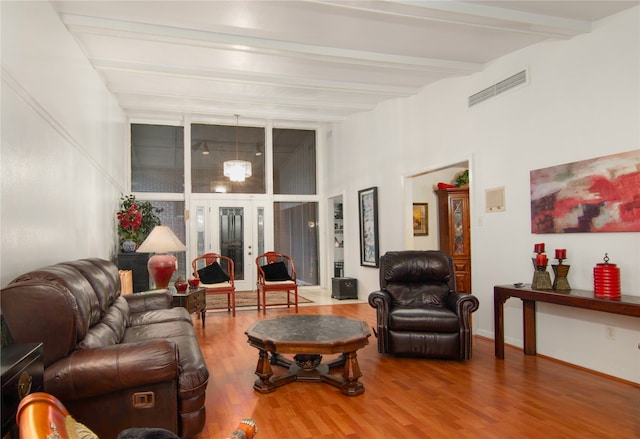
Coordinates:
(561, 253)
(560, 273)
(541, 279)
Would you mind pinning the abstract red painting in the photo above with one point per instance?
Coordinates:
(596, 195)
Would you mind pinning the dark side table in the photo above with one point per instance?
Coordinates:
(22, 373)
(344, 288)
(194, 300)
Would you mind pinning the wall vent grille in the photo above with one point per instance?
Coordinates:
(499, 87)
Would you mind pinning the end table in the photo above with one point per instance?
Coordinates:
(194, 300)
(22, 373)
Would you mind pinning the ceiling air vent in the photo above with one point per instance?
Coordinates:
(499, 87)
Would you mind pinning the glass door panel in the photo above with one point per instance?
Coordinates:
(227, 228)
(200, 230)
(232, 237)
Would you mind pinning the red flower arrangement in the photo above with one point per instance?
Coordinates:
(130, 221)
(136, 219)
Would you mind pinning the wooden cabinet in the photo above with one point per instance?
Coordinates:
(454, 226)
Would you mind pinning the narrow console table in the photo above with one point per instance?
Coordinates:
(625, 305)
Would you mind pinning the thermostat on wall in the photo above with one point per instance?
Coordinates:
(495, 199)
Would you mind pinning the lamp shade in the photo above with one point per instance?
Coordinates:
(161, 240)
(161, 266)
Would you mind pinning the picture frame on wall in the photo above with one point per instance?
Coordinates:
(368, 209)
(420, 219)
(590, 196)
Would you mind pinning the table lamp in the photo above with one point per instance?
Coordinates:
(161, 265)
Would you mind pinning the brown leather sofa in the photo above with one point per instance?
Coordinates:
(114, 361)
(419, 312)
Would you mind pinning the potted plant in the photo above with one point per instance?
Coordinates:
(462, 179)
(136, 219)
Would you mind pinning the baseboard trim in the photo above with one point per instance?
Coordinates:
(565, 363)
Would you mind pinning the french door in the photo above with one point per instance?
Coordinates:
(231, 228)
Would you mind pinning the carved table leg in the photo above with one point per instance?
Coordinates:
(264, 372)
(351, 372)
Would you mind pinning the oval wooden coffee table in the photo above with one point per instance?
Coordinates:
(309, 337)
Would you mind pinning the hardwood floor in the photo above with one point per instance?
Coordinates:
(521, 396)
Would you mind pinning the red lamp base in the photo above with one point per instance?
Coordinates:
(161, 267)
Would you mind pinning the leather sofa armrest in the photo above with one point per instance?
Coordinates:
(149, 300)
(381, 301)
(92, 372)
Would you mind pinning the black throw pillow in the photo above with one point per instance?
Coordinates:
(276, 271)
(212, 274)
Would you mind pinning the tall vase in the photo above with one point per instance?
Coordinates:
(129, 246)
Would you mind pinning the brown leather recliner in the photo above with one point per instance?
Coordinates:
(114, 361)
(419, 313)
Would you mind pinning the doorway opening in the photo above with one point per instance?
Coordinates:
(447, 219)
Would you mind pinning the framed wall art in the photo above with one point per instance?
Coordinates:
(589, 196)
(420, 219)
(368, 208)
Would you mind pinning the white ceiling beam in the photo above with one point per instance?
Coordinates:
(222, 75)
(468, 13)
(216, 98)
(135, 111)
(235, 41)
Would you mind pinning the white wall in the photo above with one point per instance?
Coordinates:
(582, 102)
(63, 146)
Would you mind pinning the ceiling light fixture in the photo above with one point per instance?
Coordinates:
(237, 170)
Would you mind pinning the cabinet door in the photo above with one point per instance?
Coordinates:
(462, 268)
(455, 233)
(460, 242)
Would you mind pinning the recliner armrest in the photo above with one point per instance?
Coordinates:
(381, 300)
(462, 303)
(92, 372)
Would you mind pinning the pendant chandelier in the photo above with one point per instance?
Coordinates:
(237, 170)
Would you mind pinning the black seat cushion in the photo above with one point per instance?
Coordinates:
(425, 318)
(276, 271)
(213, 274)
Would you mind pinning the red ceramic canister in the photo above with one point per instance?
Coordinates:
(606, 279)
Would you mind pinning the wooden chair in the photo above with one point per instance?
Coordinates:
(276, 272)
(218, 269)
